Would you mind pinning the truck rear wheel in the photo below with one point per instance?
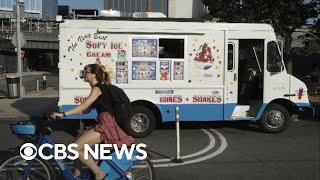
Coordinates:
(275, 119)
(141, 123)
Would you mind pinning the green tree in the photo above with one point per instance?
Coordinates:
(224, 10)
(311, 38)
(285, 16)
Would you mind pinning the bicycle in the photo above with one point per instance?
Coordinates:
(38, 132)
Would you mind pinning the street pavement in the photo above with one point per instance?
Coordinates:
(216, 150)
(249, 154)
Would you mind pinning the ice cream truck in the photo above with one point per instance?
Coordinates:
(210, 71)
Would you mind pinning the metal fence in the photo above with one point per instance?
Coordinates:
(38, 34)
(29, 26)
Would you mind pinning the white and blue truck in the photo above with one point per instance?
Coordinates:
(211, 71)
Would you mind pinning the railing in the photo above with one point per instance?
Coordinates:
(29, 26)
(33, 30)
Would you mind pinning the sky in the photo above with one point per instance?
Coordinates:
(88, 4)
(96, 4)
(82, 4)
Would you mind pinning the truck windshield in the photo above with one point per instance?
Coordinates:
(274, 60)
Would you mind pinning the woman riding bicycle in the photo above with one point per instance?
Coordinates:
(107, 129)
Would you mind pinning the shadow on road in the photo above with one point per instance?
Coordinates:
(4, 155)
(36, 107)
(243, 125)
(240, 125)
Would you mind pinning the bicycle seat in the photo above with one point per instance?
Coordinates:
(23, 128)
(30, 128)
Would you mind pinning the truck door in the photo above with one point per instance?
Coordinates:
(276, 78)
(231, 78)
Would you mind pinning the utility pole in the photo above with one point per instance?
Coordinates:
(106, 5)
(19, 67)
(149, 6)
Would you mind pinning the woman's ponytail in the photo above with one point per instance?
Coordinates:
(106, 77)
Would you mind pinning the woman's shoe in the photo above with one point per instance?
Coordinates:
(103, 178)
(83, 177)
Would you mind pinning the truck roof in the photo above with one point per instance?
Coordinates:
(149, 19)
(162, 24)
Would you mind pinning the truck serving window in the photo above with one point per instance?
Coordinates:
(230, 57)
(274, 62)
(171, 48)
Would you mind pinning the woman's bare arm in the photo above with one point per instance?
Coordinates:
(94, 94)
(87, 110)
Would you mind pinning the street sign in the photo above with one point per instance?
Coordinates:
(22, 39)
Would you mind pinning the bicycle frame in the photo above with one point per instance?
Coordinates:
(62, 165)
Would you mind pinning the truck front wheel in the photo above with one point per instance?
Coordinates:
(275, 119)
(141, 123)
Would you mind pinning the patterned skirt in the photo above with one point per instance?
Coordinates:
(110, 131)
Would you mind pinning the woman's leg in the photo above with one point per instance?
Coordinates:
(91, 138)
(77, 168)
(77, 163)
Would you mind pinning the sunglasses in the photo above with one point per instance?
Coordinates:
(83, 73)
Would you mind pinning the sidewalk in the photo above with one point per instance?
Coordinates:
(30, 81)
(33, 104)
(26, 74)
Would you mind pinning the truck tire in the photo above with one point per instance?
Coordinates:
(275, 119)
(141, 123)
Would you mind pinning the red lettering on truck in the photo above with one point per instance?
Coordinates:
(171, 99)
(79, 100)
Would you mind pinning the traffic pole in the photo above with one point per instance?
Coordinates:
(19, 67)
(178, 157)
(37, 85)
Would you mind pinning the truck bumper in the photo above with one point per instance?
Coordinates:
(306, 109)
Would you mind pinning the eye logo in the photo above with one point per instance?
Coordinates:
(28, 151)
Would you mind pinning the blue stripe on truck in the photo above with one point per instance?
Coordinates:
(303, 104)
(192, 112)
(189, 112)
(91, 115)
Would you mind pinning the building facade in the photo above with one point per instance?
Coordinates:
(34, 9)
(170, 8)
(49, 9)
(186, 8)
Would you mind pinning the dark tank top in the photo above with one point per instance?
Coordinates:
(104, 101)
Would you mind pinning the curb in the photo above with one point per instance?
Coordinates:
(49, 92)
(28, 75)
(15, 119)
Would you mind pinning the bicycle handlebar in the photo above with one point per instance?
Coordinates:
(50, 118)
(42, 124)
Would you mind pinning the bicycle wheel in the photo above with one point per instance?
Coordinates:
(141, 170)
(13, 169)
